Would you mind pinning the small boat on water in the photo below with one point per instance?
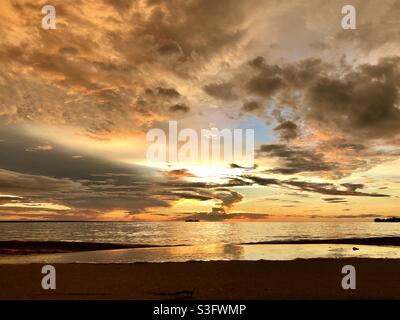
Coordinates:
(392, 219)
(192, 220)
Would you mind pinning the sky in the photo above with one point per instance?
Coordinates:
(77, 102)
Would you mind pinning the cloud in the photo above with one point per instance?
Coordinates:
(282, 200)
(42, 147)
(362, 102)
(222, 196)
(346, 111)
(179, 107)
(376, 28)
(217, 216)
(357, 101)
(314, 187)
(96, 184)
(88, 183)
(335, 200)
(264, 85)
(222, 91)
(295, 159)
(228, 197)
(166, 93)
(179, 173)
(236, 166)
(122, 63)
(287, 130)
(329, 99)
(8, 198)
(120, 5)
(329, 188)
(254, 107)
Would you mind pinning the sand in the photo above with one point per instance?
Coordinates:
(44, 247)
(298, 279)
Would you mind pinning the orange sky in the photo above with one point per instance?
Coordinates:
(77, 102)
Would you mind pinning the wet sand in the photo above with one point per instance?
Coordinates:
(298, 279)
(43, 247)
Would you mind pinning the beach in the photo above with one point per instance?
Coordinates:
(297, 279)
(274, 270)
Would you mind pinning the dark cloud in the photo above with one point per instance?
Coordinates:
(69, 51)
(179, 173)
(168, 92)
(87, 183)
(224, 91)
(9, 199)
(295, 159)
(179, 107)
(271, 79)
(287, 130)
(169, 48)
(264, 86)
(282, 200)
(341, 145)
(15, 158)
(224, 197)
(314, 187)
(108, 187)
(193, 196)
(352, 186)
(228, 197)
(218, 216)
(333, 158)
(296, 194)
(359, 104)
(262, 181)
(236, 166)
(255, 107)
(335, 200)
(329, 188)
(362, 102)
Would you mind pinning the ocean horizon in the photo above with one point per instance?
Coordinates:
(204, 241)
(185, 233)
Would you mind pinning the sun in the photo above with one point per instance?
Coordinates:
(213, 173)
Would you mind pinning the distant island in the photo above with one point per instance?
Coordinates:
(392, 219)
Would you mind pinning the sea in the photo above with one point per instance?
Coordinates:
(203, 241)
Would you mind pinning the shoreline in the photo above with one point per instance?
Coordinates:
(214, 280)
(15, 247)
(372, 241)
